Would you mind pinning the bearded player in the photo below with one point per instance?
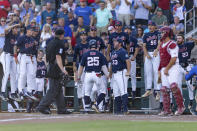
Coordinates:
(169, 72)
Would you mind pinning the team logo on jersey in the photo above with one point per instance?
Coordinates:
(61, 51)
(114, 56)
(28, 45)
(92, 53)
(154, 37)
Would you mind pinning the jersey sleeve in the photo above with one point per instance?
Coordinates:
(124, 55)
(102, 44)
(83, 60)
(191, 45)
(59, 49)
(127, 39)
(173, 50)
(104, 61)
(76, 52)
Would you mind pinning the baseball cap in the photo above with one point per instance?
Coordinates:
(29, 27)
(59, 31)
(93, 28)
(118, 23)
(118, 40)
(151, 23)
(82, 0)
(159, 9)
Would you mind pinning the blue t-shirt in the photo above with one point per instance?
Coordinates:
(93, 60)
(151, 40)
(63, 15)
(185, 51)
(133, 45)
(85, 12)
(122, 35)
(10, 42)
(79, 50)
(41, 69)
(68, 31)
(26, 45)
(118, 59)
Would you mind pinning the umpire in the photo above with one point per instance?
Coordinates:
(55, 56)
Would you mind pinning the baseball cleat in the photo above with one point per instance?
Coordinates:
(15, 97)
(162, 113)
(147, 93)
(179, 111)
(157, 98)
(3, 96)
(94, 107)
(31, 96)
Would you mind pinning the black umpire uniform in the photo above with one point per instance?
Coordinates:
(55, 93)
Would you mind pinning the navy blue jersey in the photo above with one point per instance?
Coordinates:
(37, 43)
(99, 41)
(41, 69)
(185, 51)
(10, 42)
(26, 45)
(122, 35)
(133, 45)
(93, 60)
(151, 40)
(79, 50)
(118, 59)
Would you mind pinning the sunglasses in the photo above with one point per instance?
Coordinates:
(3, 21)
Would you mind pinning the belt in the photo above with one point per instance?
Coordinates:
(92, 72)
(151, 50)
(118, 71)
(27, 54)
(9, 53)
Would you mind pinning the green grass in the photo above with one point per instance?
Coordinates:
(103, 126)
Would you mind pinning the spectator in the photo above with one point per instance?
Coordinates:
(3, 26)
(159, 18)
(71, 5)
(79, 28)
(177, 27)
(165, 6)
(86, 12)
(71, 19)
(37, 16)
(142, 11)
(111, 30)
(48, 13)
(54, 24)
(48, 21)
(12, 2)
(64, 12)
(68, 32)
(179, 10)
(95, 5)
(26, 9)
(103, 18)
(4, 8)
(45, 35)
(124, 11)
(111, 5)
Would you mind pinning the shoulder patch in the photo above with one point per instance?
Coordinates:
(172, 46)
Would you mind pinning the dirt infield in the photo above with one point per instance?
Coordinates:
(21, 118)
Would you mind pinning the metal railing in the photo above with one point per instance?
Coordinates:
(190, 26)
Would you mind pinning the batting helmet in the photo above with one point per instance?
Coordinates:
(92, 44)
(167, 32)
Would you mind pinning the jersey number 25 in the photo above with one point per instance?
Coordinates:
(93, 61)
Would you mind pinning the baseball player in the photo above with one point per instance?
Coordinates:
(93, 61)
(79, 50)
(99, 41)
(27, 62)
(9, 63)
(189, 75)
(120, 71)
(134, 49)
(185, 49)
(169, 72)
(118, 34)
(151, 64)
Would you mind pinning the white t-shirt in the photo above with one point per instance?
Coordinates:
(44, 36)
(124, 8)
(141, 12)
(2, 38)
(179, 12)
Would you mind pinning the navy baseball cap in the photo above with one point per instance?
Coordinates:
(59, 31)
(119, 41)
(93, 28)
(29, 27)
(118, 23)
(151, 23)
